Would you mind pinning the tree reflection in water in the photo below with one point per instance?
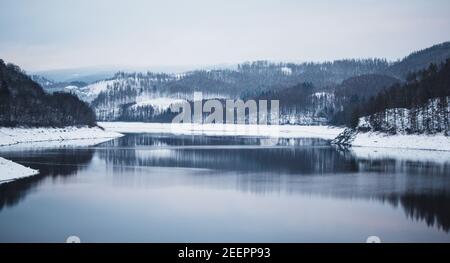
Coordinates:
(257, 166)
(56, 163)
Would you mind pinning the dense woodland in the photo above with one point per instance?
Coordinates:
(419, 105)
(248, 81)
(302, 104)
(336, 87)
(23, 102)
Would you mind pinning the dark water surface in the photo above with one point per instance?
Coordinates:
(163, 188)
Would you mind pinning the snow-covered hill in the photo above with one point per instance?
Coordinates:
(431, 118)
(338, 87)
(124, 96)
(424, 127)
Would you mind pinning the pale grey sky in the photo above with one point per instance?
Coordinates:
(55, 34)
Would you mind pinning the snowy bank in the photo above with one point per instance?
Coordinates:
(46, 145)
(22, 138)
(279, 131)
(10, 136)
(11, 171)
(437, 142)
(412, 155)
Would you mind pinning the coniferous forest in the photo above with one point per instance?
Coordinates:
(23, 102)
(419, 105)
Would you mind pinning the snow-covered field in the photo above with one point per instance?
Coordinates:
(437, 142)
(10, 136)
(280, 131)
(11, 171)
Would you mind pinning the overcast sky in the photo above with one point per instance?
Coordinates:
(56, 34)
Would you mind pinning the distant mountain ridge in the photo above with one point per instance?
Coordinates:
(364, 86)
(109, 97)
(126, 94)
(419, 60)
(53, 86)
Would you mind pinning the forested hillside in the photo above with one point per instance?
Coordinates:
(421, 105)
(152, 93)
(309, 93)
(354, 93)
(364, 86)
(302, 104)
(53, 86)
(24, 103)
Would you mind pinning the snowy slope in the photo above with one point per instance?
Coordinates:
(431, 118)
(424, 127)
(11, 171)
(121, 82)
(90, 92)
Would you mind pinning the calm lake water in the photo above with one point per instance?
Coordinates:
(163, 188)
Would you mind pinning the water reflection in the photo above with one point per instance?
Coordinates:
(431, 208)
(299, 156)
(258, 166)
(421, 188)
(56, 163)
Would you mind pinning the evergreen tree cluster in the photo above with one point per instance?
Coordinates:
(425, 96)
(24, 103)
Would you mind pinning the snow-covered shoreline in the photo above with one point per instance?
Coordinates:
(11, 136)
(435, 142)
(413, 155)
(278, 131)
(14, 137)
(10, 171)
(438, 142)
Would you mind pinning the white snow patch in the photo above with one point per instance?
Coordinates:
(159, 104)
(370, 153)
(91, 91)
(322, 95)
(71, 87)
(277, 131)
(286, 71)
(96, 88)
(10, 171)
(438, 142)
(10, 136)
(44, 145)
